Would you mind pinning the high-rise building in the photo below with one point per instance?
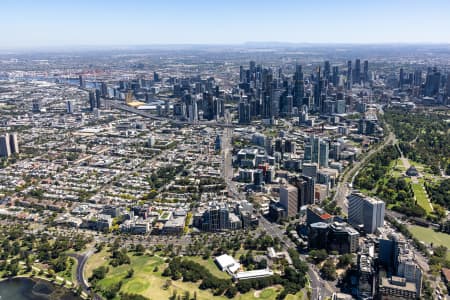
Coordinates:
(417, 77)
(82, 82)
(365, 211)
(92, 102)
(401, 79)
(104, 89)
(432, 83)
(366, 71)
(448, 85)
(36, 106)
(69, 107)
(335, 77)
(326, 70)
(289, 199)
(5, 149)
(357, 74)
(349, 75)
(97, 98)
(305, 186)
(324, 152)
(244, 112)
(13, 143)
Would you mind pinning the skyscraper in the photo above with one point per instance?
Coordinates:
(92, 102)
(401, 80)
(5, 149)
(432, 82)
(13, 143)
(97, 98)
(349, 75)
(289, 199)
(365, 211)
(244, 112)
(357, 75)
(82, 82)
(327, 70)
(335, 78)
(324, 151)
(366, 71)
(69, 107)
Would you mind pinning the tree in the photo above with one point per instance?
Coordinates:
(328, 270)
(318, 255)
(130, 273)
(344, 260)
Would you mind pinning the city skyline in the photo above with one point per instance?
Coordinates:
(59, 24)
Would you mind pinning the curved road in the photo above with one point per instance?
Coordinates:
(342, 189)
(82, 259)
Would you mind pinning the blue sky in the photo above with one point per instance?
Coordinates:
(37, 23)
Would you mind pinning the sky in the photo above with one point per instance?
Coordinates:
(62, 23)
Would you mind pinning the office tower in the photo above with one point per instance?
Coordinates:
(335, 76)
(401, 80)
(366, 71)
(312, 146)
(5, 149)
(36, 106)
(104, 89)
(365, 211)
(299, 88)
(432, 83)
(357, 77)
(156, 77)
(305, 186)
(326, 70)
(289, 105)
(82, 82)
(92, 102)
(317, 235)
(335, 152)
(324, 151)
(349, 75)
(318, 86)
(69, 107)
(97, 98)
(448, 85)
(342, 238)
(278, 145)
(13, 143)
(244, 112)
(289, 146)
(340, 106)
(417, 78)
(289, 199)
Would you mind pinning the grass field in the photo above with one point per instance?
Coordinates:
(211, 266)
(151, 284)
(421, 196)
(428, 235)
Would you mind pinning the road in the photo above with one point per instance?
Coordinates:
(320, 288)
(82, 259)
(124, 107)
(343, 188)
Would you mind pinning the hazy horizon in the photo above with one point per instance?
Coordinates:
(31, 24)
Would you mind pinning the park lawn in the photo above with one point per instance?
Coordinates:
(210, 265)
(269, 293)
(71, 273)
(421, 197)
(428, 235)
(148, 283)
(95, 261)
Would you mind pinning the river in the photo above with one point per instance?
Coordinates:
(33, 289)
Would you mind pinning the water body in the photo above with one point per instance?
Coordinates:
(30, 289)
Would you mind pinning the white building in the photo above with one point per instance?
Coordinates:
(365, 211)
